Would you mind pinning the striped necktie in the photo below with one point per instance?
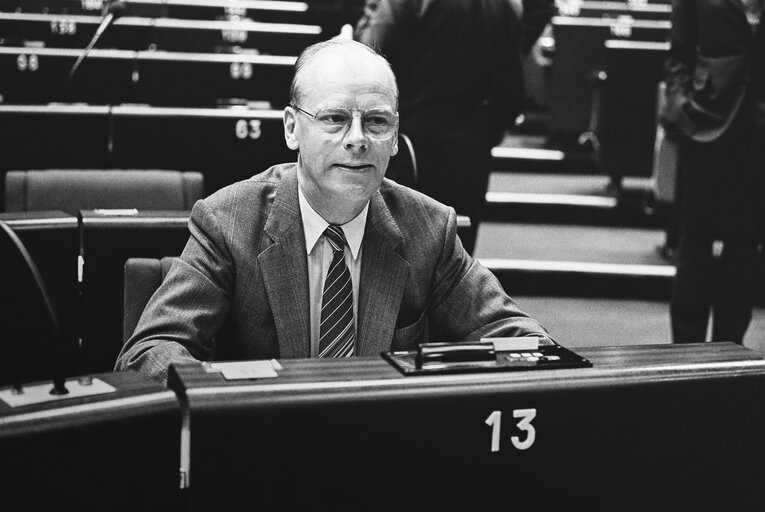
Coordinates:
(336, 334)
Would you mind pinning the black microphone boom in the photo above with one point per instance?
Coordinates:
(111, 12)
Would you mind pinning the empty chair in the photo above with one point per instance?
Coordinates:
(72, 190)
(403, 165)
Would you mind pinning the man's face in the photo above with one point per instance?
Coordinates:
(348, 165)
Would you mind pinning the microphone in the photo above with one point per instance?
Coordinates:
(112, 11)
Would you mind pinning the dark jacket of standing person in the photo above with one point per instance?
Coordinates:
(459, 68)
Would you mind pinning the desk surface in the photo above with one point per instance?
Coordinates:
(612, 366)
(135, 396)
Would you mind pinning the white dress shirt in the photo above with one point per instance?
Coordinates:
(320, 256)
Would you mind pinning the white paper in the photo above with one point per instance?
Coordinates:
(513, 344)
(236, 370)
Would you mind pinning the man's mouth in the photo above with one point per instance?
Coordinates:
(354, 167)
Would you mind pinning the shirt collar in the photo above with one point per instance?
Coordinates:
(314, 226)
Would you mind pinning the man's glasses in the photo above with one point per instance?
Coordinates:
(378, 124)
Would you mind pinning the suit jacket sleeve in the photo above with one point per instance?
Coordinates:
(468, 302)
(182, 318)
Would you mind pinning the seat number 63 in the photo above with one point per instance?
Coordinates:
(524, 417)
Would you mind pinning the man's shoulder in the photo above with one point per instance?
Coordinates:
(407, 204)
(263, 184)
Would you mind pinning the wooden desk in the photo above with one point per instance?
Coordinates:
(116, 451)
(55, 136)
(225, 144)
(135, 33)
(659, 427)
(579, 56)
(39, 75)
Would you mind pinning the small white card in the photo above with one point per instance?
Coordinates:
(238, 370)
(513, 344)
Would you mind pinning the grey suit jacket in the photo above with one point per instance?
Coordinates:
(240, 288)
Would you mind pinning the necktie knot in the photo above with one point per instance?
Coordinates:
(335, 237)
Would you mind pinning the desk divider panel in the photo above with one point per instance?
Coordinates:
(627, 116)
(52, 240)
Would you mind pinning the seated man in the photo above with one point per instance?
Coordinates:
(250, 283)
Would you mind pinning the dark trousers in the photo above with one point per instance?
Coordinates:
(718, 188)
(455, 171)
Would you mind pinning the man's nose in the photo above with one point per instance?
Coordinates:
(355, 138)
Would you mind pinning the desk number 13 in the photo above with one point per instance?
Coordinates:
(526, 415)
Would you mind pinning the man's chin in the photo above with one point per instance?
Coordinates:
(358, 186)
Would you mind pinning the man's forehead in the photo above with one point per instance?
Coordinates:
(356, 66)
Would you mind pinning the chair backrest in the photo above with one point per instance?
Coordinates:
(142, 278)
(72, 190)
(30, 325)
(403, 166)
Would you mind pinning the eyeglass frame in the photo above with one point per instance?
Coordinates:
(361, 112)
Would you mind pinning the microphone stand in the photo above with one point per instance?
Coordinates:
(111, 12)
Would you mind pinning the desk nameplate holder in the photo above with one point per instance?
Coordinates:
(40, 393)
(488, 355)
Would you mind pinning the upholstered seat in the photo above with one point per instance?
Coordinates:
(72, 190)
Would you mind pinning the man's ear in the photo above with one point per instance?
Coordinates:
(290, 127)
(394, 147)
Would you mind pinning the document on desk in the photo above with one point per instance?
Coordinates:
(240, 370)
(488, 354)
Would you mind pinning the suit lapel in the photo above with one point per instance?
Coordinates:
(383, 277)
(284, 270)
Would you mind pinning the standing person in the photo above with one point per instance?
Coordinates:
(459, 65)
(714, 106)
(323, 257)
